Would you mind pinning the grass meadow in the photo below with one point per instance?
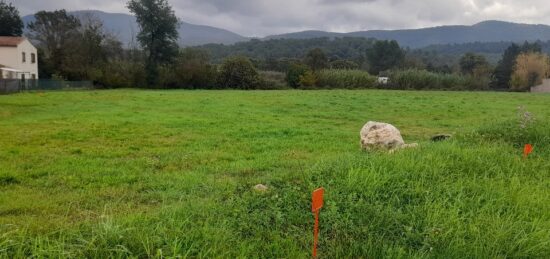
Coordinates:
(163, 174)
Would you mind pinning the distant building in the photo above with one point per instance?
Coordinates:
(18, 58)
(542, 88)
(383, 80)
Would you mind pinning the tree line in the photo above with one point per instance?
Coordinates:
(80, 48)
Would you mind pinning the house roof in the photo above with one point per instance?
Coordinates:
(10, 70)
(6, 41)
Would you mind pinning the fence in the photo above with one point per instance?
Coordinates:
(8, 86)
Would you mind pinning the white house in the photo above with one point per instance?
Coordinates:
(542, 88)
(18, 58)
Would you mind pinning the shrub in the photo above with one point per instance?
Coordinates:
(343, 64)
(238, 73)
(422, 79)
(529, 71)
(339, 78)
(316, 59)
(295, 71)
(271, 80)
(123, 74)
(308, 80)
(191, 70)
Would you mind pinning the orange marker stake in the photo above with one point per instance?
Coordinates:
(316, 205)
(527, 150)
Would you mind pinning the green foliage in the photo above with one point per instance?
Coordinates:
(170, 174)
(73, 48)
(158, 33)
(344, 64)
(346, 79)
(238, 73)
(384, 55)
(316, 59)
(277, 52)
(123, 74)
(518, 132)
(191, 70)
(470, 63)
(53, 31)
(272, 80)
(295, 71)
(422, 79)
(308, 80)
(10, 21)
(89, 52)
(503, 72)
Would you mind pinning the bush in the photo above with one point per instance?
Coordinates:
(271, 80)
(122, 74)
(529, 71)
(338, 78)
(308, 80)
(344, 64)
(238, 73)
(192, 70)
(295, 71)
(422, 79)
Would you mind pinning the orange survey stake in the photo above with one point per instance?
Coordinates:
(317, 200)
(527, 150)
(316, 205)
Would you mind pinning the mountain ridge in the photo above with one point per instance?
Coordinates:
(485, 31)
(125, 27)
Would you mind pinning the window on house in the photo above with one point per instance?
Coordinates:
(33, 58)
(33, 76)
(24, 57)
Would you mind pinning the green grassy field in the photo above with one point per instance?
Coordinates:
(131, 173)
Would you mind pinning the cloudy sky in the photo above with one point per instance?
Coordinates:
(266, 17)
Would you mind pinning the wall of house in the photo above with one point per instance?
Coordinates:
(8, 58)
(543, 88)
(28, 66)
(12, 57)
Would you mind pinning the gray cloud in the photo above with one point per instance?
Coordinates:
(264, 17)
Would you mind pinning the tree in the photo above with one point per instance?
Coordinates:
(316, 59)
(53, 31)
(88, 51)
(471, 62)
(308, 79)
(238, 73)
(191, 70)
(10, 21)
(76, 49)
(529, 71)
(294, 73)
(505, 67)
(384, 55)
(158, 33)
(343, 64)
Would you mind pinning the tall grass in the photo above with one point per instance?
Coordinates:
(525, 129)
(170, 174)
(345, 79)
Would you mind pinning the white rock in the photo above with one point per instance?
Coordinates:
(260, 188)
(381, 135)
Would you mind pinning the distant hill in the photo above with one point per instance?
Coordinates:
(488, 31)
(125, 27)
